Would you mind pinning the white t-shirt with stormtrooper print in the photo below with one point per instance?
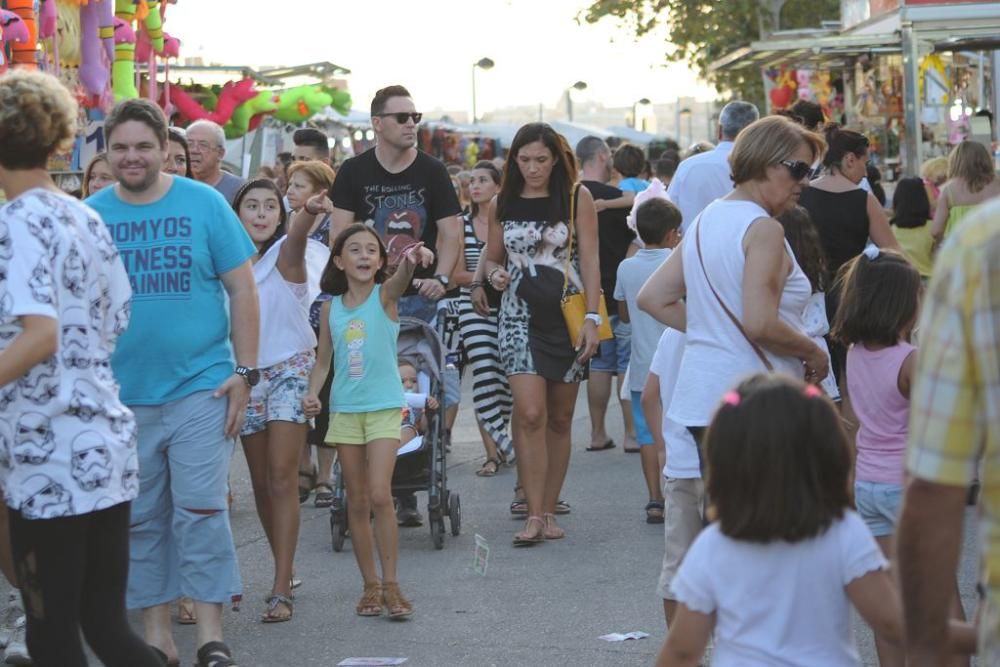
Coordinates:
(67, 444)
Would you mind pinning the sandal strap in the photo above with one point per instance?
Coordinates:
(215, 654)
(275, 599)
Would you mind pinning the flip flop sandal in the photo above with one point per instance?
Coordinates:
(563, 507)
(519, 509)
(490, 468)
(272, 604)
(323, 498)
(185, 612)
(215, 654)
(610, 444)
(654, 511)
(294, 583)
(371, 602)
(523, 539)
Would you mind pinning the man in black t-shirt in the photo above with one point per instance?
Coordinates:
(406, 196)
(614, 240)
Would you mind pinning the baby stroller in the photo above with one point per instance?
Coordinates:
(419, 466)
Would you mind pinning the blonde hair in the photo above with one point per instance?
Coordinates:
(935, 170)
(319, 173)
(971, 162)
(764, 143)
(88, 172)
(38, 117)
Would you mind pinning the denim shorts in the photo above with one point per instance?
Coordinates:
(878, 504)
(278, 395)
(642, 434)
(613, 355)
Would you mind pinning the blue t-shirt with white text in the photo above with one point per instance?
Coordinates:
(175, 250)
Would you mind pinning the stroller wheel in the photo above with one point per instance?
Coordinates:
(338, 527)
(437, 532)
(455, 514)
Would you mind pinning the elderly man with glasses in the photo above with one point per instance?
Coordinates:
(207, 146)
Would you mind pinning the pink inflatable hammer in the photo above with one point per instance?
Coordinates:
(13, 28)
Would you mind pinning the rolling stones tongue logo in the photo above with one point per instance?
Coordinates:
(402, 228)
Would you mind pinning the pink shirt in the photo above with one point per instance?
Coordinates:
(883, 413)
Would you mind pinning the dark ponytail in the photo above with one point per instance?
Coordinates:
(840, 142)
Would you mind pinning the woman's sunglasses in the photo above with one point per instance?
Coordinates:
(402, 116)
(797, 168)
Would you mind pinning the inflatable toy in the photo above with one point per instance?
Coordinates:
(123, 69)
(23, 54)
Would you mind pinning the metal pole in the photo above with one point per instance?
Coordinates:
(911, 101)
(995, 92)
(474, 120)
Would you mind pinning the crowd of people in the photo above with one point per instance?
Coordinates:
(787, 355)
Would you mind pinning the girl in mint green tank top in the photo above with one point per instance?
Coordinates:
(358, 330)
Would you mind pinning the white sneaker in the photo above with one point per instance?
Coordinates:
(9, 616)
(17, 650)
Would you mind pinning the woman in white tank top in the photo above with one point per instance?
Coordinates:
(740, 298)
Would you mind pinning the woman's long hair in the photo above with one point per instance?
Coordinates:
(560, 181)
(801, 234)
(971, 162)
(494, 174)
(264, 184)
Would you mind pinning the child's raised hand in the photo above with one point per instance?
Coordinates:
(419, 255)
(311, 405)
(319, 203)
(432, 403)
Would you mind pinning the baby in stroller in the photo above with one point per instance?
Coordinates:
(414, 419)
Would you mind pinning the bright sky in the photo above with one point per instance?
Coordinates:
(429, 46)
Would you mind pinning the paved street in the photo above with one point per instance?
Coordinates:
(544, 605)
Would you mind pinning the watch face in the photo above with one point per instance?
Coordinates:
(253, 377)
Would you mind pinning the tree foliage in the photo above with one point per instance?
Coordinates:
(702, 31)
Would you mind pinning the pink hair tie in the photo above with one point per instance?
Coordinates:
(812, 391)
(731, 398)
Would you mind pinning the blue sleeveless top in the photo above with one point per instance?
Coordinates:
(366, 373)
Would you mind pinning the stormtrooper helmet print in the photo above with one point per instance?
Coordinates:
(34, 440)
(44, 498)
(91, 462)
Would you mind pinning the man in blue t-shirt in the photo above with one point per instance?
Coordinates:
(184, 250)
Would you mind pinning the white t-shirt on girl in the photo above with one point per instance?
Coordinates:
(779, 603)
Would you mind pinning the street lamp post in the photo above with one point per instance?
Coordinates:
(635, 111)
(483, 64)
(579, 85)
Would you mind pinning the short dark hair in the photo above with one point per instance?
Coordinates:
(911, 207)
(879, 299)
(810, 113)
(590, 147)
(666, 166)
(310, 136)
(383, 95)
(334, 280)
(139, 109)
(628, 160)
(655, 218)
(778, 462)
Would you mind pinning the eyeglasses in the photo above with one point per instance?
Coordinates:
(797, 168)
(402, 116)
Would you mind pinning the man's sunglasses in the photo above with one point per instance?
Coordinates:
(402, 116)
(797, 168)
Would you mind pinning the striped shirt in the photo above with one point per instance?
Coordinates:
(955, 404)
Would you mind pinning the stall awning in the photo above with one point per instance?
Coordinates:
(816, 50)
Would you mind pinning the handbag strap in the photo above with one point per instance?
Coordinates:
(572, 233)
(735, 320)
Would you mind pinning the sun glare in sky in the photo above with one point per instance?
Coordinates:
(429, 46)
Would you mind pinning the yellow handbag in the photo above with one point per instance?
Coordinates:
(574, 306)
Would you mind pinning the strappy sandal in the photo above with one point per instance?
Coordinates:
(654, 511)
(525, 539)
(215, 654)
(272, 605)
(370, 603)
(310, 477)
(323, 498)
(490, 468)
(398, 606)
(552, 531)
(185, 612)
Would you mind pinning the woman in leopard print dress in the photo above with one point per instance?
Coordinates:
(530, 236)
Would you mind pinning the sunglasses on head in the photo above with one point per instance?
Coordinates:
(401, 116)
(797, 168)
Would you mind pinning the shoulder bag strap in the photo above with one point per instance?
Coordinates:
(572, 232)
(736, 322)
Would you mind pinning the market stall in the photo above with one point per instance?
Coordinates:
(889, 66)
